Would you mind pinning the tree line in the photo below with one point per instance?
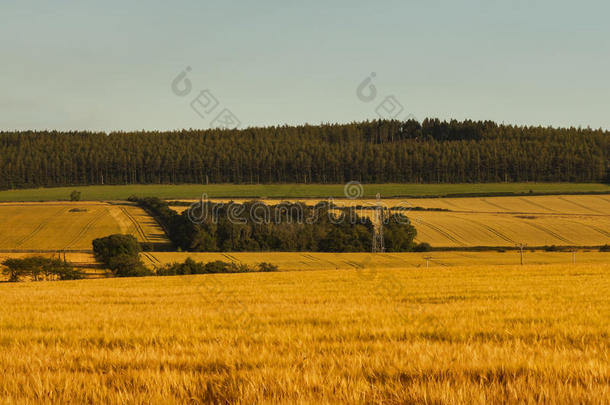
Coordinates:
(378, 151)
(121, 254)
(255, 226)
(39, 268)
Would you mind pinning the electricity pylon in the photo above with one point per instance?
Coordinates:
(378, 243)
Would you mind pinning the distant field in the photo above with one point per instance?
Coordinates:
(582, 220)
(190, 191)
(71, 226)
(300, 261)
(553, 204)
(472, 335)
(305, 261)
(561, 220)
(442, 229)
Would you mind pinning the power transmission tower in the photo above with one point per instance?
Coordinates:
(378, 243)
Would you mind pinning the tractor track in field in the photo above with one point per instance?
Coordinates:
(494, 205)
(310, 257)
(443, 232)
(452, 204)
(535, 204)
(490, 229)
(599, 230)
(579, 205)
(136, 224)
(231, 258)
(353, 264)
(604, 199)
(318, 259)
(152, 259)
(389, 256)
(550, 232)
(39, 227)
(86, 228)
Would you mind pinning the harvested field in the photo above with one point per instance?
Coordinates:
(71, 226)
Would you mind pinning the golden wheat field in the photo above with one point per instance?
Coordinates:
(301, 261)
(570, 220)
(71, 226)
(558, 204)
(459, 335)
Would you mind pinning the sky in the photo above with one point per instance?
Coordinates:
(116, 65)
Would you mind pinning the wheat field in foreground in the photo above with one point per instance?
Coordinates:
(478, 335)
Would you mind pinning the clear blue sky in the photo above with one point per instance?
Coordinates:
(108, 65)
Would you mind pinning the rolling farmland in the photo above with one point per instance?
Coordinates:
(71, 226)
(477, 335)
(562, 220)
(492, 222)
(507, 221)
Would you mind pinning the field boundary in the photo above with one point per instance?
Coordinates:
(121, 192)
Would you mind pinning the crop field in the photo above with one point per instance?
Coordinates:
(190, 191)
(472, 335)
(547, 204)
(71, 226)
(442, 229)
(561, 220)
(301, 261)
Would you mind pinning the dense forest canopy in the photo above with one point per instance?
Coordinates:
(377, 151)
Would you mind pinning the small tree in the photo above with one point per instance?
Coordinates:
(14, 269)
(422, 247)
(128, 266)
(75, 195)
(399, 234)
(114, 245)
(266, 267)
(121, 254)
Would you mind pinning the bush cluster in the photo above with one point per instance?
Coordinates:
(190, 266)
(120, 253)
(38, 268)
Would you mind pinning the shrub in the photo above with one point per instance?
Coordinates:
(121, 254)
(69, 274)
(192, 267)
(217, 267)
(128, 266)
(114, 245)
(266, 267)
(189, 266)
(75, 195)
(422, 247)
